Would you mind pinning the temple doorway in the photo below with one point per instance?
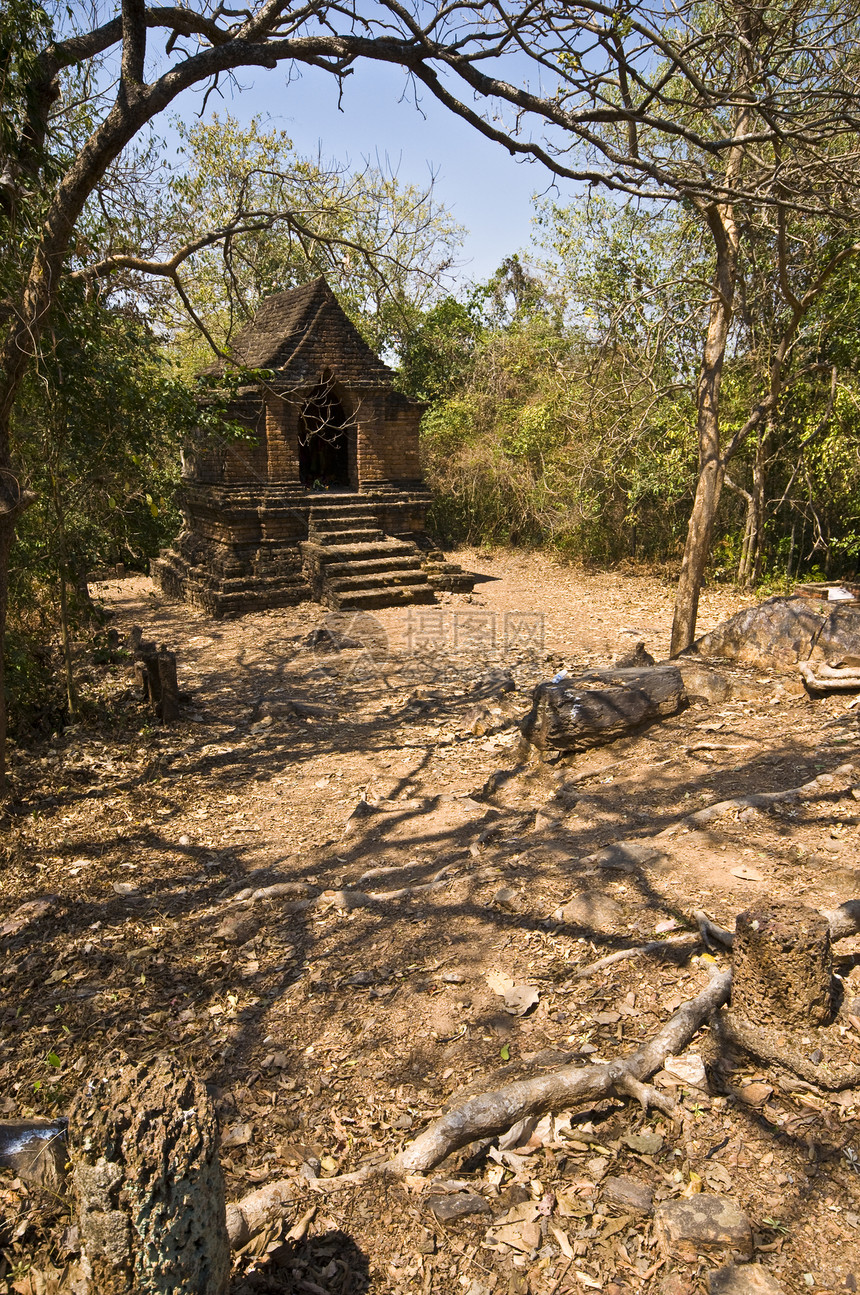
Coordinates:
(324, 441)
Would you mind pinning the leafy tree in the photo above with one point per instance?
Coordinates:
(273, 220)
(726, 105)
(98, 425)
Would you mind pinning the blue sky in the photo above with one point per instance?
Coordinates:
(478, 181)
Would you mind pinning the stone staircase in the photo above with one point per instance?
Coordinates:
(351, 564)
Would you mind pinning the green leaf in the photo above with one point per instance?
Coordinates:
(54, 1060)
(505, 1052)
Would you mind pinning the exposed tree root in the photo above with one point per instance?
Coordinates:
(490, 1113)
(655, 948)
(830, 678)
(485, 1115)
(753, 800)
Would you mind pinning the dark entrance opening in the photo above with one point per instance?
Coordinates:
(323, 441)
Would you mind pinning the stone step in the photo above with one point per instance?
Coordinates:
(328, 525)
(386, 547)
(370, 566)
(367, 535)
(381, 580)
(366, 599)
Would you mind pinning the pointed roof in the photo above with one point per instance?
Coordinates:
(302, 334)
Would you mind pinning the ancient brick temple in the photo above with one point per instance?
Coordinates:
(326, 499)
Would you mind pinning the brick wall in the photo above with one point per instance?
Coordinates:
(387, 439)
(282, 425)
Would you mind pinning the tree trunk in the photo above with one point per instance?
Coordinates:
(711, 466)
(758, 491)
(7, 531)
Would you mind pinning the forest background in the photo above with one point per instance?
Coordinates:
(562, 392)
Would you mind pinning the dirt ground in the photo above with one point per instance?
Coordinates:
(333, 1020)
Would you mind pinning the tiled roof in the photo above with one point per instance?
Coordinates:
(302, 333)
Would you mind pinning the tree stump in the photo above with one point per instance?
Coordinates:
(783, 968)
(147, 1182)
(783, 1002)
(168, 688)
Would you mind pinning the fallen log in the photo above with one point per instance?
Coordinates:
(600, 705)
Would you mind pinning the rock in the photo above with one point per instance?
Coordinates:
(594, 911)
(550, 815)
(743, 1279)
(780, 631)
(703, 683)
(689, 1069)
(507, 898)
(755, 1094)
(237, 929)
(647, 1143)
(677, 1284)
(704, 1225)
(356, 819)
(625, 856)
(839, 640)
(628, 1194)
(640, 656)
(478, 721)
(457, 1206)
(26, 913)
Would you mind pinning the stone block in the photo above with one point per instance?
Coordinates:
(708, 1226)
(743, 1279)
(628, 1194)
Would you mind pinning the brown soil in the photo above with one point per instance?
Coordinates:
(329, 1032)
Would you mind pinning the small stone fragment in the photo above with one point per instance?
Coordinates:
(26, 913)
(689, 1069)
(703, 1225)
(647, 1143)
(755, 1094)
(628, 1194)
(743, 1279)
(594, 911)
(457, 1206)
(237, 929)
(507, 898)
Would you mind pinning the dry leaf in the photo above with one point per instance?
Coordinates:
(563, 1241)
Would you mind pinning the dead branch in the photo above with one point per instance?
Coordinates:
(485, 1115)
